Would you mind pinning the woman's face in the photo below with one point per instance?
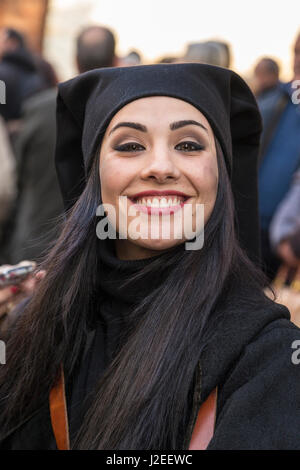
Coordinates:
(158, 152)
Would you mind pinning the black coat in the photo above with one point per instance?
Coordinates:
(251, 356)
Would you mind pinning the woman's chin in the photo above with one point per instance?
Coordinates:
(158, 244)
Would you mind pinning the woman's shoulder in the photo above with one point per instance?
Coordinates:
(271, 343)
(279, 327)
(259, 400)
(278, 342)
(276, 348)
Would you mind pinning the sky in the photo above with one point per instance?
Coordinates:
(163, 27)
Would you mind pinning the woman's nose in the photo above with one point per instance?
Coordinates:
(160, 166)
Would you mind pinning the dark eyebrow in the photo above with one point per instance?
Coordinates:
(174, 126)
(179, 124)
(132, 125)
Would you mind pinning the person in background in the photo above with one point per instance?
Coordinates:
(267, 88)
(47, 71)
(10, 108)
(266, 76)
(285, 226)
(208, 52)
(95, 49)
(167, 60)
(285, 242)
(33, 223)
(226, 52)
(297, 58)
(19, 72)
(131, 59)
(30, 81)
(7, 174)
(279, 157)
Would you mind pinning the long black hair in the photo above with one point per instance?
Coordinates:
(141, 402)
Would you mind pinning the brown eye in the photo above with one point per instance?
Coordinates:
(189, 147)
(129, 147)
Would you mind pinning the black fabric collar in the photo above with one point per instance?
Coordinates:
(114, 272)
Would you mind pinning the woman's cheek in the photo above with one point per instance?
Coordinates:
(207, 186)
(113, 184)
(111, 178)
(206, 181)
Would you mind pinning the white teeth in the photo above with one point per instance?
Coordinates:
(163, 202)
(159, 202)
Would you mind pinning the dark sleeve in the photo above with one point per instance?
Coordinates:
(259, 404)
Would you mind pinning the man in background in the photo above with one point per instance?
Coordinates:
(18, 71)
(266, 74)
(208, 52)
(280, 157)
(95, 49)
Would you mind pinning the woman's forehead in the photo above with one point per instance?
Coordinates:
(164, 108)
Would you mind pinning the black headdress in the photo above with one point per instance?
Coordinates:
(87, 103)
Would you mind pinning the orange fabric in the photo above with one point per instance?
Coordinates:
(202, 433)
(205, 423)
(59, 414)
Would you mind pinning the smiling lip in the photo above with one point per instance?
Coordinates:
(158, 210)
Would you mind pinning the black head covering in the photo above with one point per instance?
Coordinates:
(87, 103)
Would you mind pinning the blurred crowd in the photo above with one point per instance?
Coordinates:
(30, 201)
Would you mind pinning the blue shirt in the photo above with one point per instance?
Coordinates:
(281, 159)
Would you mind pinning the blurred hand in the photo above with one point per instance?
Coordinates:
(286, 253)
(10, 296)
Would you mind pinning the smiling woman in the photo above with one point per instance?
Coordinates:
(135, 334)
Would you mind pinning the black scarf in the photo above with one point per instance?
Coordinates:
(111, 320)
